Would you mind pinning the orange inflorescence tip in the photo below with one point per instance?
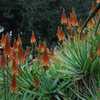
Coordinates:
(45, 59)
(63, 18)
(33, 38)
(73, 18)
(18, 41)
(60, 34)
(42, 47)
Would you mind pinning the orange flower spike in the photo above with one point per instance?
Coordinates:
(97, 1)
(12, 53)
(41, 47)
(33, 38)
(60, 34)
(7, 47)
(45, 59)
(15, 67)
(73, 18)
(4, 39)
(15, 45)
(63, 18)
(13, 83)
(2, 58)
(2, 61)
(19, 41)
(7, 50)
(21, 54)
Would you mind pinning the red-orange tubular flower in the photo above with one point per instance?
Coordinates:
(5, 43)
(18, 41)
(63, 18)
(21, 54)
(33, 38)
(42, 47)
(60, 34)
(45, 58)
(15, 45)
(15, 67)
(13, 54)
(7, 47)
(2, 58)
(3, 40)
(13, 83)
(73, 18)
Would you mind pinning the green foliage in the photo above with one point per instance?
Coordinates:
(74, 74)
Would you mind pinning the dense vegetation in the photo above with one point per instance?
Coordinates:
(68, 71)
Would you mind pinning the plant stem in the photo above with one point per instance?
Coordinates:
(7, 77)
(4, 81)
